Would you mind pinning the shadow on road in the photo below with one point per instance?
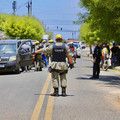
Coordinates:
(108, 80)
(111, 80)
(85, 77)
(89, 66)
(13, 73)
(50, 94)
(7, 73)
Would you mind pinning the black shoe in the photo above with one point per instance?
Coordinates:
(92, 77)
(55, 93)
(97, 77)
(64, 92)
(40, 69)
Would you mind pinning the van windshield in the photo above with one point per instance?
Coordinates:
(7, 48)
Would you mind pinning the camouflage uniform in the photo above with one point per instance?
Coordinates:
(58, 69)
(38, 62)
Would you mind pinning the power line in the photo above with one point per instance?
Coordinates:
(22, 5)
(54, 13)
(59, 22)
(64, 30)
(29, 6)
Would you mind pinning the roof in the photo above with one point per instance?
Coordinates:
(9, 41)
(72, 40)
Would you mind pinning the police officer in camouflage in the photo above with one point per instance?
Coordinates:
(58, 66)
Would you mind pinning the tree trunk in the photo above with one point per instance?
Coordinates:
(90, 49)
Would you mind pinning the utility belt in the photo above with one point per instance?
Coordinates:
(58, 71)
(58, 60)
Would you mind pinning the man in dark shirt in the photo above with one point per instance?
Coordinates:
(115, 54)
(96, 62)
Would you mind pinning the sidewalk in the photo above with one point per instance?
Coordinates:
(117, 68)
(90, 56)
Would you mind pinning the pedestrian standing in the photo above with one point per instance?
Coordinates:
(97, 54)
(115, 54)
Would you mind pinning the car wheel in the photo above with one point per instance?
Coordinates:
(29, 67)
(17, 71)
(23, 69)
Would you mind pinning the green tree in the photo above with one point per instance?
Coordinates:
(50, 35)
(103, 16)
(3, 18)
(88, 35)
(22, 27)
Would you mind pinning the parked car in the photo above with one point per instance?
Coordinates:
(14, 55)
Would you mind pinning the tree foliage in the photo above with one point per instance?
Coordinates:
(3, 18)
(103, 17)
(50, 35)
(22, 27)
(89, 36)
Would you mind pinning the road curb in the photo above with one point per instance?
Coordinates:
(117, 68)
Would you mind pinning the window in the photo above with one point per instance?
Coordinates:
(7, 48)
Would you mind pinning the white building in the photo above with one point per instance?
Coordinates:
(2, 35)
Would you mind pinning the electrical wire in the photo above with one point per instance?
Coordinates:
(64, 30)
(22, 5)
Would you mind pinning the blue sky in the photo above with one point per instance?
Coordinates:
(52, 13)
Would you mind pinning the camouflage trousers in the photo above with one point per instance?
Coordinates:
(58, 77)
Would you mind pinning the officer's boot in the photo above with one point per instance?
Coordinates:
(64, 91)
(55, 93)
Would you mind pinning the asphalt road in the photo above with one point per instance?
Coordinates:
(19, 94)
(89, 99)
(27, 96)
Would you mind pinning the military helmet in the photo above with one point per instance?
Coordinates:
(51, 41)
(44, 41)
(36, 42)
(58, 36)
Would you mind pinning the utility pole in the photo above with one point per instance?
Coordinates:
(29, 6)
(14, 7)
(72, 35)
